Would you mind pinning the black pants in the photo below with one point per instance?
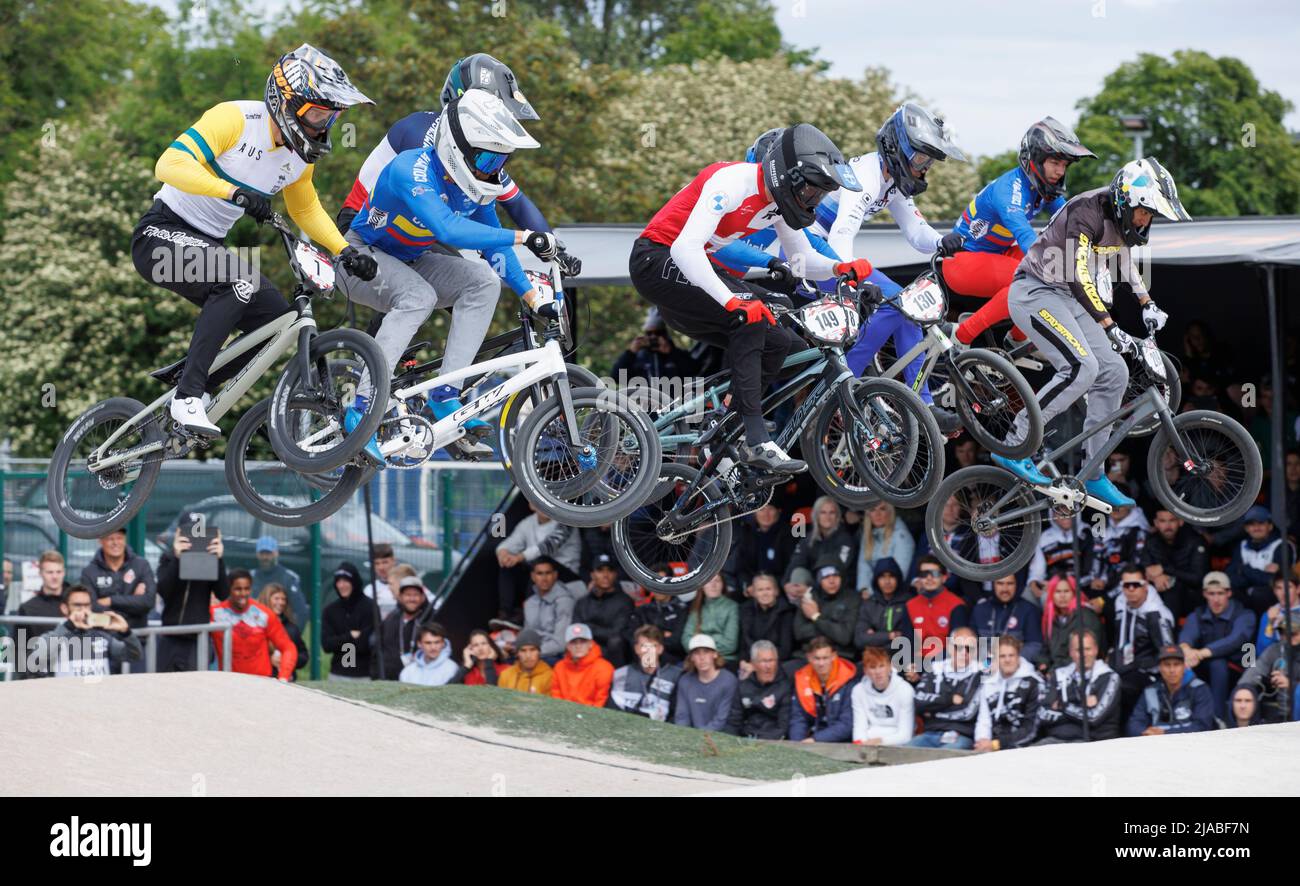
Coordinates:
(755, 351)
(178, 653)
(175, 256)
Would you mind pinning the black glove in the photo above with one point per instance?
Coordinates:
(950, 244)
(359, 264)
(1120, 341)
(542, 244)
(870, 294)
(781, 275)
(255, 205)
(570, 265)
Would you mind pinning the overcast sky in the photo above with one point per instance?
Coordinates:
(995, 67)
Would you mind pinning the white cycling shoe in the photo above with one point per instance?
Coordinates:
(191, 413)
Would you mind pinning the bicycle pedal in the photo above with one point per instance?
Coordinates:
(469, 449)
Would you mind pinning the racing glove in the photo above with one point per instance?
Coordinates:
(747, 309)
(542, 244)
(950, 244)
(781, 275)
(859, 269)
(1120, 340)
(256, 206)
(357, 263)
(1154, 318)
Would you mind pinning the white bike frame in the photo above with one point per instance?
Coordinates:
(283, 333)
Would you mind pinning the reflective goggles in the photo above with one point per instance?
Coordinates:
(809, 195)
(921, 163)
(485, 161)
(318, 117)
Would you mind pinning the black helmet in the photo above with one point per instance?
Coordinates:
(305, 81)
(801, 167)
(909, 142)
(482, 71)
(758, 150)
(1049, 138)
(1147, 184)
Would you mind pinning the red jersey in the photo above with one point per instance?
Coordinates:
(252, 633)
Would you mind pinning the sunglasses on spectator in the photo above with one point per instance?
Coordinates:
(930, 573)
(1135, 584)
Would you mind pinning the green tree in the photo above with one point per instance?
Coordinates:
(989, 168)
(1216, 129)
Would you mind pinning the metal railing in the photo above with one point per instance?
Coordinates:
(149, 635)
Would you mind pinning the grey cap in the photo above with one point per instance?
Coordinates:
(577, 631)
(801, 576)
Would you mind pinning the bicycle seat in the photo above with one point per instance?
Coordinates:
(171, 374)
(409, 353)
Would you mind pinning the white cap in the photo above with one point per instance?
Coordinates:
(702, 641)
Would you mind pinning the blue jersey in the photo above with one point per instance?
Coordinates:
(998, 218)
(416, 131)
(415, 204)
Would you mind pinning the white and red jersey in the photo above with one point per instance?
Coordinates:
(722, 204)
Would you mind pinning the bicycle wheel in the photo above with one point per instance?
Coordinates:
(1218, 484)
(825, 447)
(896, 449)
(274, 492)
(88, 504)
(983, 552)
(312, 441)
(520, 404)
(1171, 389)
(1000, 393)
(690, 558)
(606, 477)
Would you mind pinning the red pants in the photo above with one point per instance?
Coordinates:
(983, 275)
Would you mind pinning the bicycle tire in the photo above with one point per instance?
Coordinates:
(1200, 425)
(898, 417)
(288, 387)
(335, 494)
(988, 368)
(575, 500)
(999, 482)
(672, 481)
(67, 517)
(520, 403)
(831, 466)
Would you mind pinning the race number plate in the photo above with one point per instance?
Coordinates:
(831, 322)
(316, 266)
(923, 301)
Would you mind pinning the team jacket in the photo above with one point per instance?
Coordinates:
(1250, 559)
(1121, 543)
(118, 586)
(416, 131)
(1076, 242)
(1141, 633)
(1009, 706)
(722, 204)
(251, 632)
(889, 715)
(761, 710)
(823, 712)
(1056, 551)
(997, 219)
(991, 617)
(1190, 709)
(415, 204)
(232, 146)
(935, 616)
(841, 214)
(648, 695)
(935, 698)
(1061, 713)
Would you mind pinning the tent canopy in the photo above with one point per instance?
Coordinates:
(604, 249)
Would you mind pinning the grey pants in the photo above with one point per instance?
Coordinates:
(406, 294)
(1076, 345)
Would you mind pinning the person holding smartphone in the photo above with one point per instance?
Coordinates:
(89, 644)
(187, 595)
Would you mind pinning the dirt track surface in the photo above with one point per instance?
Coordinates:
(227, 734)
(1259, 761)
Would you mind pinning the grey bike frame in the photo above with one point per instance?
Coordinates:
(282, 332)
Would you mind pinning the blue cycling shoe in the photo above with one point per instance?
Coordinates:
(1023, 468)
(352, 418)
(1104, 490)
(474, 427)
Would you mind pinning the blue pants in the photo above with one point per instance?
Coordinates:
(1221, 680)
(933, 739)
(886, 323)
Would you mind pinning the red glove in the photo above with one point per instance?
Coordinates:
(859, 269)
(753, 310)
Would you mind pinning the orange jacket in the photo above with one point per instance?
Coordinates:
(586, 681)
(807, 686)
(251, 630)
(537, 681)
